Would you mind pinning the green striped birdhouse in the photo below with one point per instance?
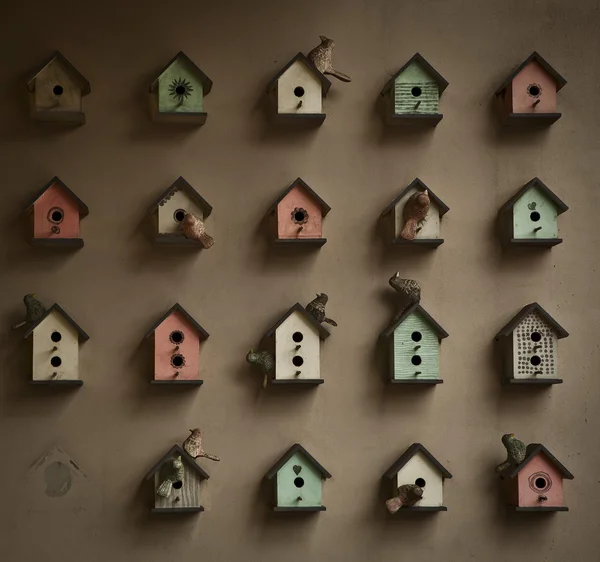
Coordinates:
(414, 340)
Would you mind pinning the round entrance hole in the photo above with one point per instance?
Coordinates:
(56, 337)
(56, 361)
(298, 91)
(540, 483)
(297, 361)
(416, 336)
(180, 90)
(299, 216)
(177, 361)
(535, 216)
(56, 215)
(534, 90)
(416, 91)
(178, 485)
(297, 337)
(420, 482)
(179, 215)
(58, 90)
(176, 337)
(536, 336)
(536, 360)
(416, 360)
(298, 482)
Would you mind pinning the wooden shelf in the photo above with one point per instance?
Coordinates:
(298, 381)
(59, 382)
(67, 117)
(176, 240)
(305, 509)
(317, 242)
(176, 382)
(531, 119)
(181, 117)
(535, 242)
(416, 381)
(547, 509)
(424, 509)
(57, 242)
(539, 381)
(432, 242)
(315, 119)
(414, 119)
(177, 509)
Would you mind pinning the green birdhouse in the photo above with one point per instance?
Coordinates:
(177, 94)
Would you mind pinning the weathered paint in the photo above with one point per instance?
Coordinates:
(522, 101)
(405, 348)
(298, 75)
(298, 198)
(419, 466)
(310, 491)
(55, 74)
(404, 99)
(166, 212)
(188, 494)
(55, 197)
(524, 349)
(429, 228)
(166, 102)
(528, 494)
(535, 201)
(285, 349)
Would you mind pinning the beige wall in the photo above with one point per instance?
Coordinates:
(117, 424)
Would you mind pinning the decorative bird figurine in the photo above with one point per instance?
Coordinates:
(316, 308)
(193, 446)
(415, 211)
(264, 360)
(408, 289)
(34, 311)
(174, 474)
(408, 494)
(320, 56)
(515, 449)
(194, 229)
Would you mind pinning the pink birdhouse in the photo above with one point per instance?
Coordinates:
(177, 338)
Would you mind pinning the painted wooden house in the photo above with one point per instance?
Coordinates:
(418, 466)
(298, 91)
(428, 231)
(56, 213)
(177, 338)
(530, 217)
(56, 91)
(169, 210)
(412, 95)
(182, 495)
(529, 347)
(56, 340)
(536, 484)
(529, 94)
(298, 216)
(177, 94)
(298, 481)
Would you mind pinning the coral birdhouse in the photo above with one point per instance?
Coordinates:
(298, 481)
(530, 217)
(57, 213)
(298, 214)
(412, 95)
(56, 92)
(529, 347)
(177, 94)
(403, 224)
(528, 95)
(177, 338)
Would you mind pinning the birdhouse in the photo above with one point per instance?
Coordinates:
(529, 346)
(169, 210)
(298, 481)
(528, 95)
(299, 89)
(56, 339)
(177, 480)
(56, 91)
(414, 340)
(536, 484)
(177, 94)
(299, 213)
(427, 230)
(177, 338)
(530, 217)
(56, 212)
(418, 467)
(412, 95)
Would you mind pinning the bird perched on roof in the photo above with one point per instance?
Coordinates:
(316, 308)
(515, 449)
(408, 494)
(174, 473)
(264, 360)
(408, 289)
(415, 211)
(194, 229)
(193, 446)
(34, 311)
(320, 56)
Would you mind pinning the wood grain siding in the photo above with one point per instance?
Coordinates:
(406, 353)
(405, 100)
(188, 494)
(533, 210)
(166, 102)
(307, 484)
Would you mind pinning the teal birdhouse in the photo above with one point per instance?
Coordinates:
(298, 481)
(177, 94)
(414, 341)
(412, 95)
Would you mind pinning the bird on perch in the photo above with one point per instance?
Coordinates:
(316, 308)
(408, 494)
(193, 446)
(174, 473)
(193, 228)
(409, 292)
(264, 360)
(34, 311)
(321, 55)
(415, 211)
(516, 451)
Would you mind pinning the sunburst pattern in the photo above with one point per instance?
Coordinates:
(180, 89)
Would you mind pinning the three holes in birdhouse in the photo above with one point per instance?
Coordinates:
(420, 482)
(416, 360)
(298, 91)
(55, 337)
(177, 361)
(56, 361)
(179, 215)
(535, 216)
(58, 90)
(416, 91)
(56, 215)
(298, 482)
(176, 337)
(297, 337)
(297, 361)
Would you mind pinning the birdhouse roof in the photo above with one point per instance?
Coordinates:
(534, 449)
(325, 83)
(296, 448)
(82, 335)
(176, 450)
(177, 185)
(525, 311)
(418, 309)
(205, 80)
(325, 208)
(422, 187)
(535, 56)
(561, 207)
(83, 81)
(83, 209)
(323, 333)
(178, 308)
(440, 80)
(409, 454)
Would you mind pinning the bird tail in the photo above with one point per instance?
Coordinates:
(339, 75)
(502, 466)
(206, 240)
(19, 325)
(409, 230)
(330, 321)
(265, 380)
(209, 457)
(164, 490)
(393, 505)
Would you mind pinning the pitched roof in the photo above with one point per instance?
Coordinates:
(419, 185)
(178, 184)
(535, 56)
(441, 81)
(533, 449)
(518, 318)
(418, 309)
(176, 449)
(206, 81)
(82, 334)
(325, 83)
(325, 208)
(323, 333)
(409, 454)
(535, 182)
(178, 308)
(83, 209)
(85, 85)
(288, 454)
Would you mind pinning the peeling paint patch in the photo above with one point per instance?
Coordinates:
(58, 479)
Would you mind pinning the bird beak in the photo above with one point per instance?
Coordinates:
(322, 38)
(425, 191)
(397, 274)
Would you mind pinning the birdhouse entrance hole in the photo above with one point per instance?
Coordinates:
(297, 337)
(55, 337)
(420, 482)
(298, 482)
(56, 215)
(416, 91)
(536, 360)
(58, 90)
(534, 90)
(176, 337)
(180, 90)
(540, 482)
(56, 361)
(178, 485)
(179, 215)
(298, 91)
(416, 336)
(416, 360)
(536, 336)
(535, 216)
(297, 361)
(299, 215)
(177, 360)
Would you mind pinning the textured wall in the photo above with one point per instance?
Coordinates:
(118, 425)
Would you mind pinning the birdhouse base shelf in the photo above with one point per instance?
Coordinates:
(317, 242)
(177, 509)
(310, 119)
(312, 509)
(546, 509)
(181, 117)
(297, 381)
(66, 117)
(192, 382)
(416, 381)
(539, 381)
(414, 119)
(65, 382)
(535, 242)
(531, 119)
(176, 240)
(431, 242)
(57, 242)
(423, 509)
